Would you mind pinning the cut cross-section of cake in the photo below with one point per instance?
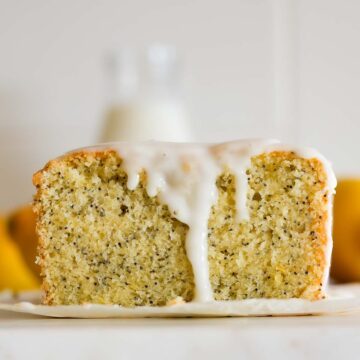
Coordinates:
(155, 223)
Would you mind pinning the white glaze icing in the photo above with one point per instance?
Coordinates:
(236, 156)
(183, 176)
(183, 179)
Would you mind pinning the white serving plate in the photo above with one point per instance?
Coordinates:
(341, 299)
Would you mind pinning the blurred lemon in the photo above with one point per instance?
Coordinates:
(14, 273)
(346, 253)
(21, 227)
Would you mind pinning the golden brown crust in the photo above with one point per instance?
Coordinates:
(319, 227)
(37, 181)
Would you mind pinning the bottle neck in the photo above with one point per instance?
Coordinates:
(122, 77)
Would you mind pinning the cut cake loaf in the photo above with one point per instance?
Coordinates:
(155, 224)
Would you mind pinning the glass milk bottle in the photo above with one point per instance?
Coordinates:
(145, 103)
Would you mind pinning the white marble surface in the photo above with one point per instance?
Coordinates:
(331, 336)
(307, 337)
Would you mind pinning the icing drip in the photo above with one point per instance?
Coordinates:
(183, 177)
(184, 180)
(205, 195)
(236, 156)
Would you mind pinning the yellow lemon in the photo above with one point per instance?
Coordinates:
(21, 227)
(346, 253)
(14, 273)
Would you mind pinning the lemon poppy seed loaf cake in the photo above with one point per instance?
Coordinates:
(153, 224)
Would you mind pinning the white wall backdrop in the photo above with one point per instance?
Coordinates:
(251, 65)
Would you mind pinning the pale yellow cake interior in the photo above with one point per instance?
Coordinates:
(103, 243)
(279, 253)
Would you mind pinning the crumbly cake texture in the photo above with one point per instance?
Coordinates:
(100, 242)
(279, 253)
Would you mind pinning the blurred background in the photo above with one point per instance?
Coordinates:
(247, 65)
(74, 73)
